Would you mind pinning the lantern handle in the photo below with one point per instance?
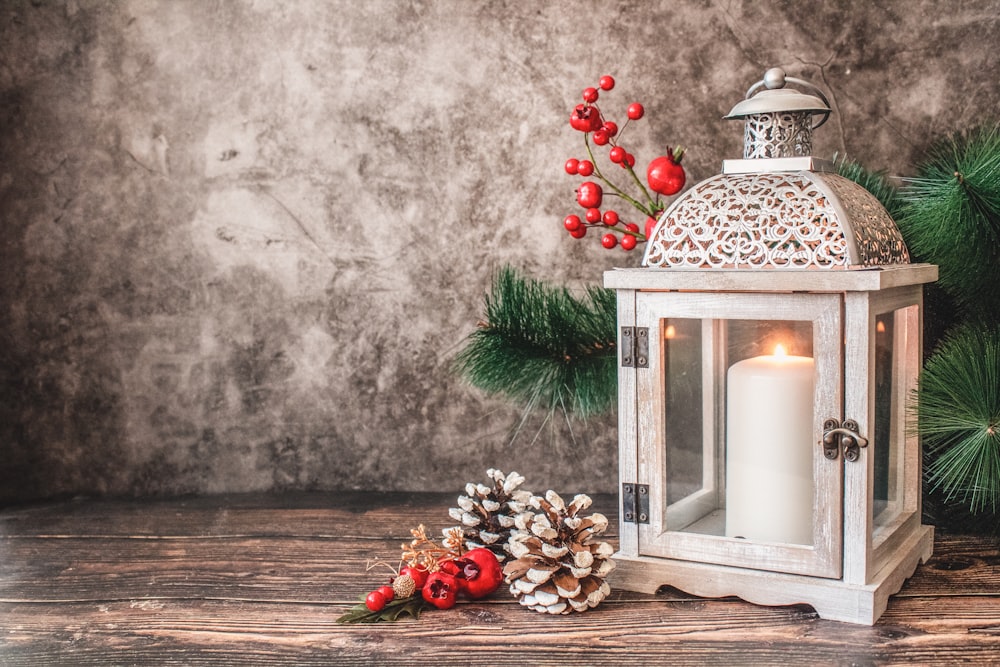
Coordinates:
(775, 78)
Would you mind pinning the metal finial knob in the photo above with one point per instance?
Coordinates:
(774, 78)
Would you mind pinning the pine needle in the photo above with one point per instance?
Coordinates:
(951, 217)
(543, 347)
(958, 414)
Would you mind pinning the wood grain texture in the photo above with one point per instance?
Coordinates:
(260, 580)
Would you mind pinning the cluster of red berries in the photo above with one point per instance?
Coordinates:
(475, 574)
(664, 175)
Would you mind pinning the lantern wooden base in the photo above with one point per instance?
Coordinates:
(833, 599)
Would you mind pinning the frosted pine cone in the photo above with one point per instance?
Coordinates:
(487, 514)
(559, 566)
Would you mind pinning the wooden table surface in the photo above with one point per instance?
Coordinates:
(260, 580)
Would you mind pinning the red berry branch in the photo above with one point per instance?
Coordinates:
(664, 175)
(435, 575)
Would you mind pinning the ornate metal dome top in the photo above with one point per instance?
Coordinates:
(778, 207)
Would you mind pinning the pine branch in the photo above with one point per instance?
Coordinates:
(951, 217)
(958, 417)
(543, 347)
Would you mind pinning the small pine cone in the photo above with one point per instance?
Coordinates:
(403, 586)
(559, 567)
(487, 514)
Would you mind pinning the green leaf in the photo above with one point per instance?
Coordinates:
(411, 606)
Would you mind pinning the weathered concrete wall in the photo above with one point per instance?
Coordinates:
(242, 239)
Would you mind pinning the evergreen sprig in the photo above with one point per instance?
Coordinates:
(951, 217)
(958, 417)
(544, 347)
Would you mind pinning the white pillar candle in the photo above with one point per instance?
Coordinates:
(769, 449)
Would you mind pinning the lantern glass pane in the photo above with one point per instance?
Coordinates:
(889, 433)
(684, 416)
(739, 428)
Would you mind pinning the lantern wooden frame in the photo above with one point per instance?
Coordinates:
(857, 560)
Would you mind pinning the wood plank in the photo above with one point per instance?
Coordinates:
(252, 585)
(350, 513)
(311, 568)
(770, 280)
(689, 632)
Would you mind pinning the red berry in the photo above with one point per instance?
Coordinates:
(419, 575)
(572, 223)
(579, 232)
(375, 601)
(593, 215)
(650, 224)
(609, 241)
(606, 82)
(589, 195)
(629, 160)
(585, 118)
(590, 95)
(450, 566)
(611, 128)
(610, 218)
(572, 166)
(632, 227)
(617, 154)
(628, 242)
(481, 573)
(440, 590)
(586, 167)
(635, 111)
(665, 173)
(387, 592)
(601, 137)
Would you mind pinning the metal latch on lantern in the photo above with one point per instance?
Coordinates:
(635, 347)
(635, 503)
(837, 436)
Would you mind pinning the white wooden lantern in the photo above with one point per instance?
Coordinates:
(770, 345)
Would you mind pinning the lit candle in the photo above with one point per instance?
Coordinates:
(769, 449)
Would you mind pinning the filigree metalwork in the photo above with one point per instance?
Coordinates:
(775, 220)
(785, 134)
(875, 233)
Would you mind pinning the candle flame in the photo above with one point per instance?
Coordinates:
(779, 350)
(670, 333)
(880, 327)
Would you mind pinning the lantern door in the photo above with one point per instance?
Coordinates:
(883, 361)
(730, 418)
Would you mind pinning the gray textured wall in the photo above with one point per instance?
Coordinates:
(242, 239)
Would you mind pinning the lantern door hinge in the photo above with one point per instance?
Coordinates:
(635, 347)
(635, 503)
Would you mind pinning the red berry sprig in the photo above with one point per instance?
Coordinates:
(665, 176)
(436, 575)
